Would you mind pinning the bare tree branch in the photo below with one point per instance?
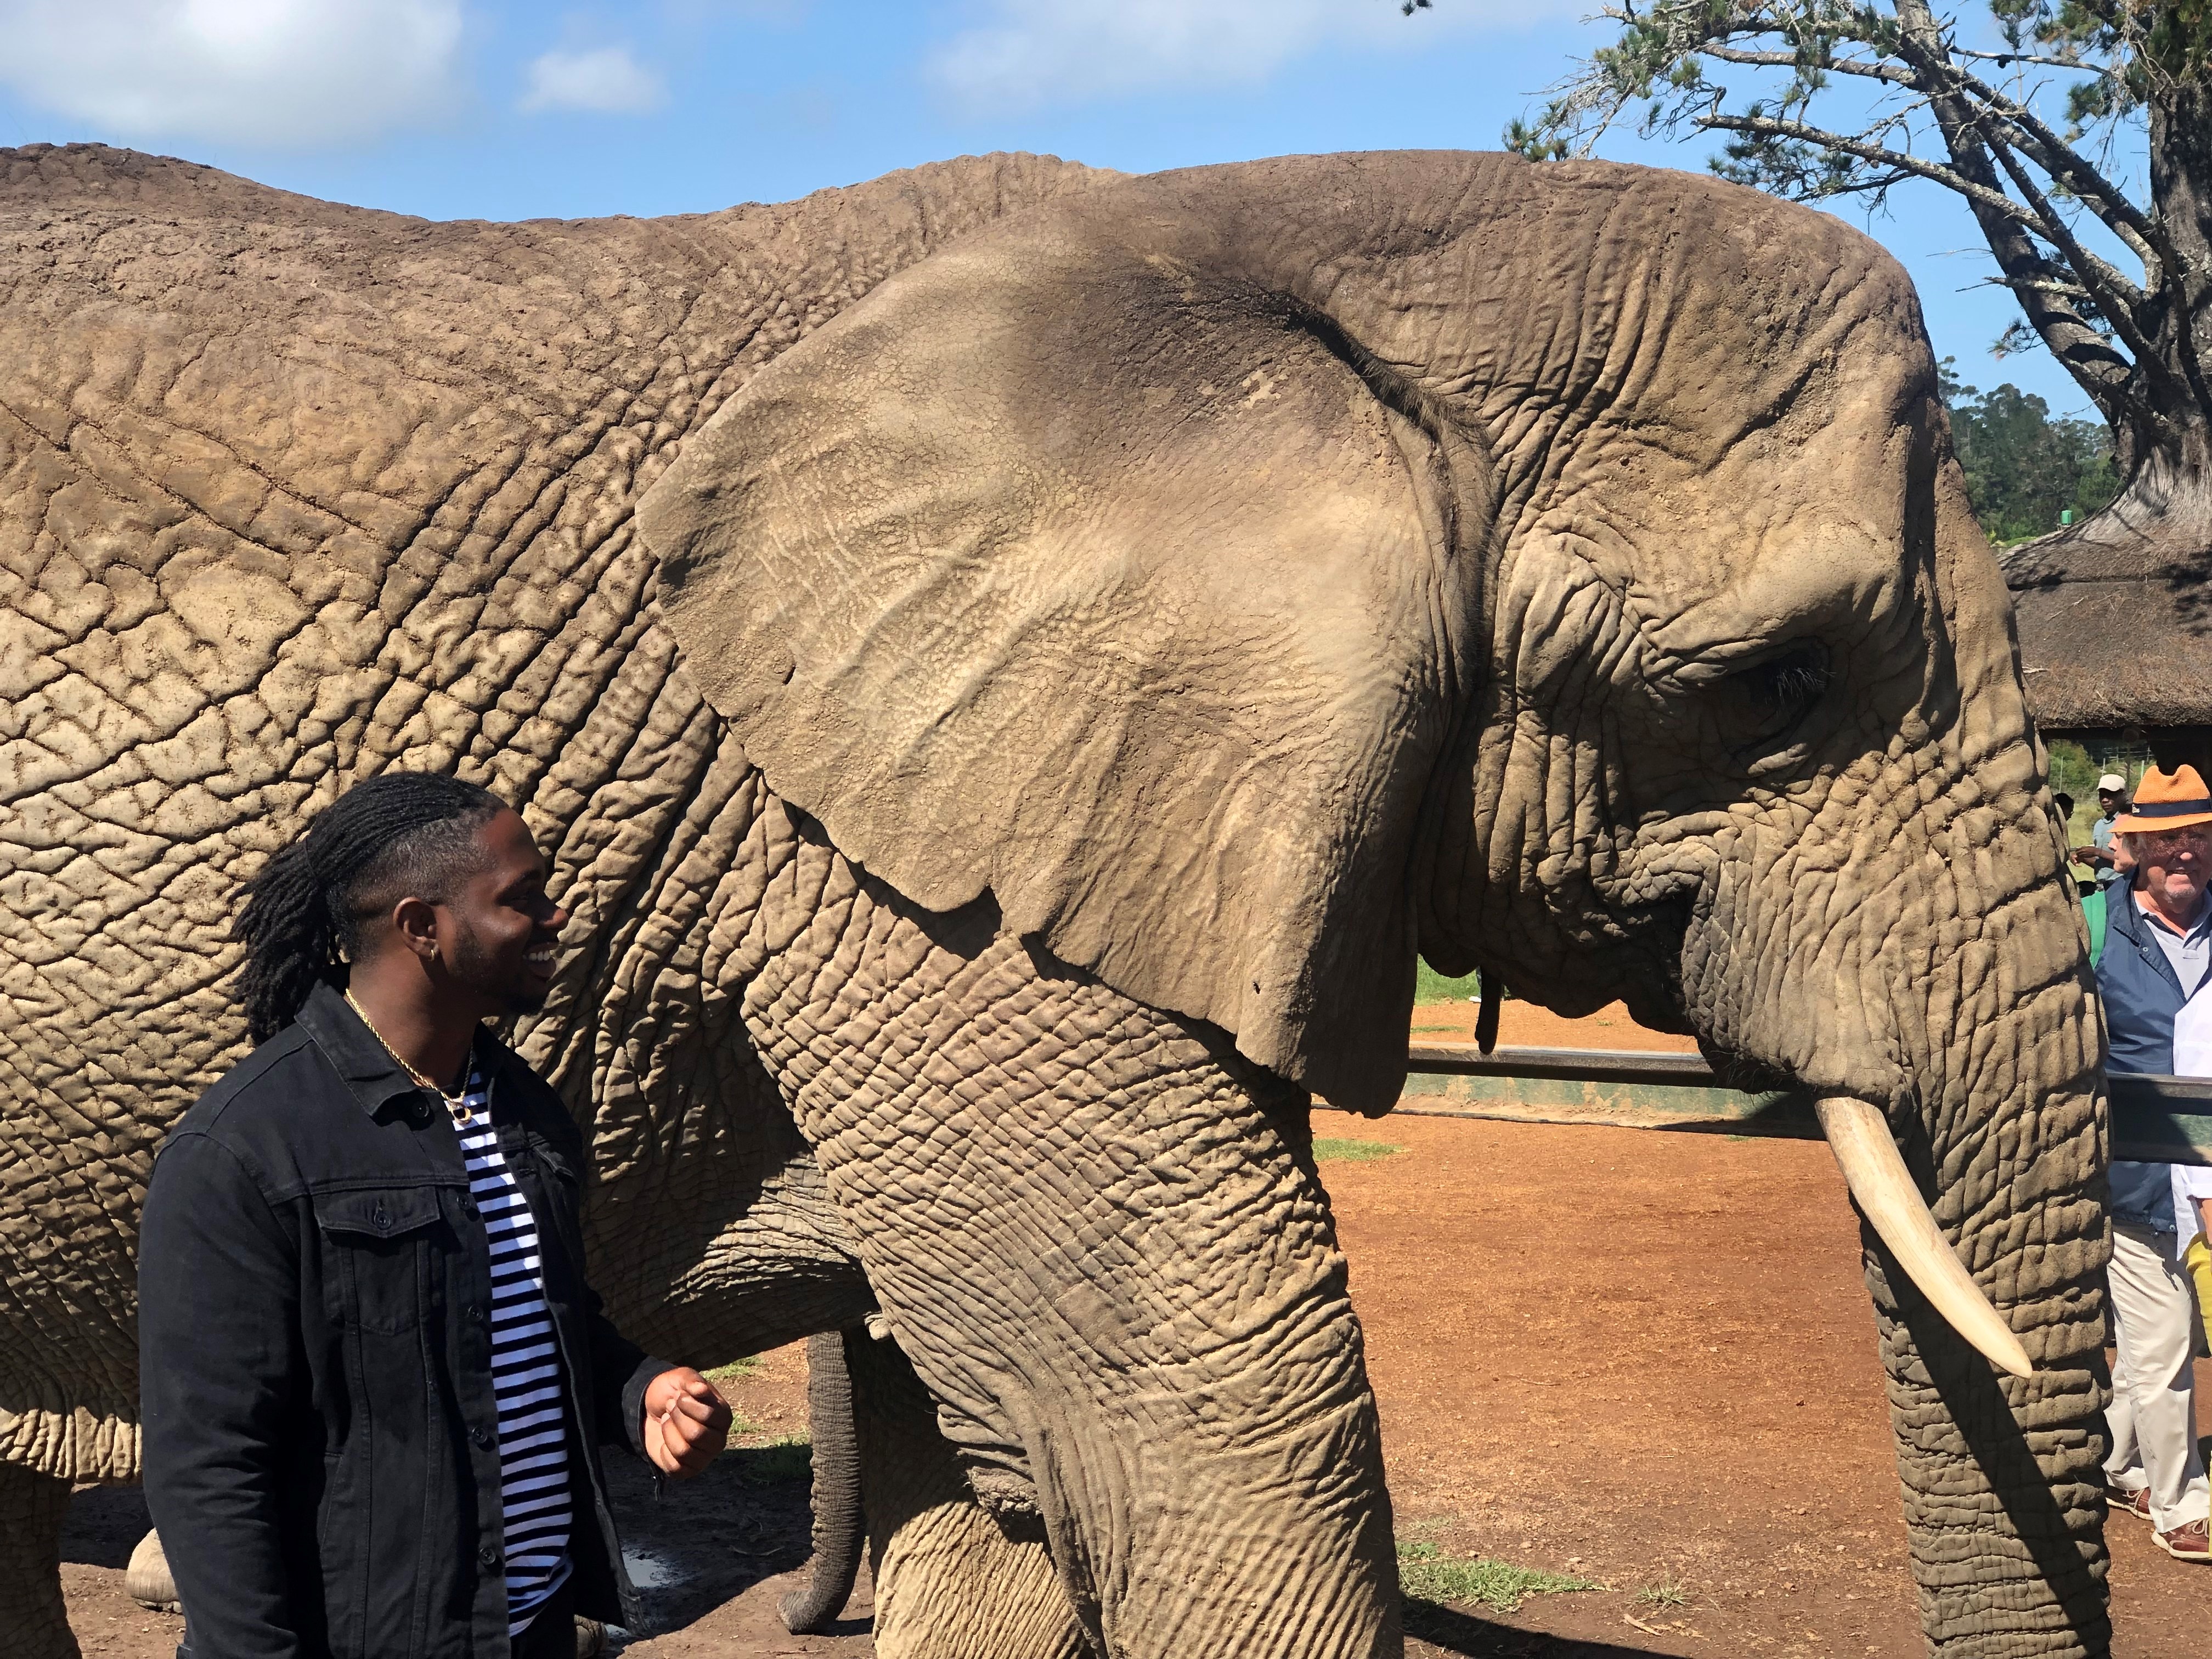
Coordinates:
(1950, 178)
(2099, 370)
(2062, 162)
(2116, 298)
(2079, 65)
(1858, 66)
(2064, 286)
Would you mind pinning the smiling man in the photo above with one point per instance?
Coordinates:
(373, 1377)
(2153, 976)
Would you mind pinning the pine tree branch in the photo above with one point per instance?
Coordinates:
(2050, 152)
(2093, 268)
(2104, 11)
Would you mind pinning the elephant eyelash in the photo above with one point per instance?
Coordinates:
(1788, 683)
(1764, 702)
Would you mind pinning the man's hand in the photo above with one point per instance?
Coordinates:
(686, 1423)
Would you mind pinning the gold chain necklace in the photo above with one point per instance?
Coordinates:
(456, 1101)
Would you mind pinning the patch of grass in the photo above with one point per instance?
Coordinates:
(1668, 1593)
(1430, 986)
(1326, 1150)
(1426, 1572)
(737, 1371)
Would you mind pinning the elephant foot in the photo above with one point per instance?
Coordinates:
(146, 1580)
(32, 1509)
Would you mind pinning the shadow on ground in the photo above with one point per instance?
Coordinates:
(692, 1545)
(104, 1526)
(703, 1554)
(1447, 1630)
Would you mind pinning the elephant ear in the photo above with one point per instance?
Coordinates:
(1110, 587)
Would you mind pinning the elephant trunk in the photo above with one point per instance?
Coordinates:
(1949, 1026)
(2000, 1463)
(2002, 1473)
(839, 1524)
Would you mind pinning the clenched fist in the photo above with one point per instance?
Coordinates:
(686, 1423)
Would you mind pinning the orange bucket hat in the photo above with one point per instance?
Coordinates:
(2165, 800)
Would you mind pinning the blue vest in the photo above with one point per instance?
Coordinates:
(2141, 996)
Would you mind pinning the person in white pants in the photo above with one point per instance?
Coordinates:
(2153, 973)
(2155, 1319)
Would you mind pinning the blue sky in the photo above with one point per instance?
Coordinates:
(483, 109)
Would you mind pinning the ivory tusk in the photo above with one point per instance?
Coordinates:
(1875, 1170)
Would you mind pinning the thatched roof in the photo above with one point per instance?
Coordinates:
(2115, 630)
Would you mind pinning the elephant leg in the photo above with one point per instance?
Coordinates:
(951, 1581)
(33, 1507)
(1096, 1232)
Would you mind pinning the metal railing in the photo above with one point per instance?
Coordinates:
(2153, 1118)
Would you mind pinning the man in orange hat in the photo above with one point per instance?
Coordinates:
(2156, 963)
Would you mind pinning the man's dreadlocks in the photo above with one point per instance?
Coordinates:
(402, 834)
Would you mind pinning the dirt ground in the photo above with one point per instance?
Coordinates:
(1637, 1357)
(1524, 1025)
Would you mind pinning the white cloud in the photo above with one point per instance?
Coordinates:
(283, 72)
(1026, 53)
(605, 81)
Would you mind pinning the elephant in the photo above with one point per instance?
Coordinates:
(1011, 664)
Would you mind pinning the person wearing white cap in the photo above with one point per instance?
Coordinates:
(2111, 801)
(2153, 975)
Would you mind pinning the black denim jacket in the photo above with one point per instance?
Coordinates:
(321, 1436)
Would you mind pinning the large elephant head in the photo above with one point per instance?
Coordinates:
(1252, 576)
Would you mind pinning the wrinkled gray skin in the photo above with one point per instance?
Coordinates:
(1009, 665)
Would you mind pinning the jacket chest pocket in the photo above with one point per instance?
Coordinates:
(387, 1252)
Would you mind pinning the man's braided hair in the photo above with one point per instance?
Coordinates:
(401, 835)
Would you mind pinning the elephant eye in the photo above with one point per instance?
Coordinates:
(1767, 699)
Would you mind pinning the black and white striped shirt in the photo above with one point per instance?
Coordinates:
(526, 1370)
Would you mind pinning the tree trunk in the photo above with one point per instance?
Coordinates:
(2115, 613)
(2162, 437)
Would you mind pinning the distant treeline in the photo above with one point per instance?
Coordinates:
(2024, 470)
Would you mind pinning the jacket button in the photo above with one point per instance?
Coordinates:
(469, 1208)
(480, 1437)
(380, 1220)
(476, 1313)
(489, 1556)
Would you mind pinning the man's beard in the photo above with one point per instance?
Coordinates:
(478, 968)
